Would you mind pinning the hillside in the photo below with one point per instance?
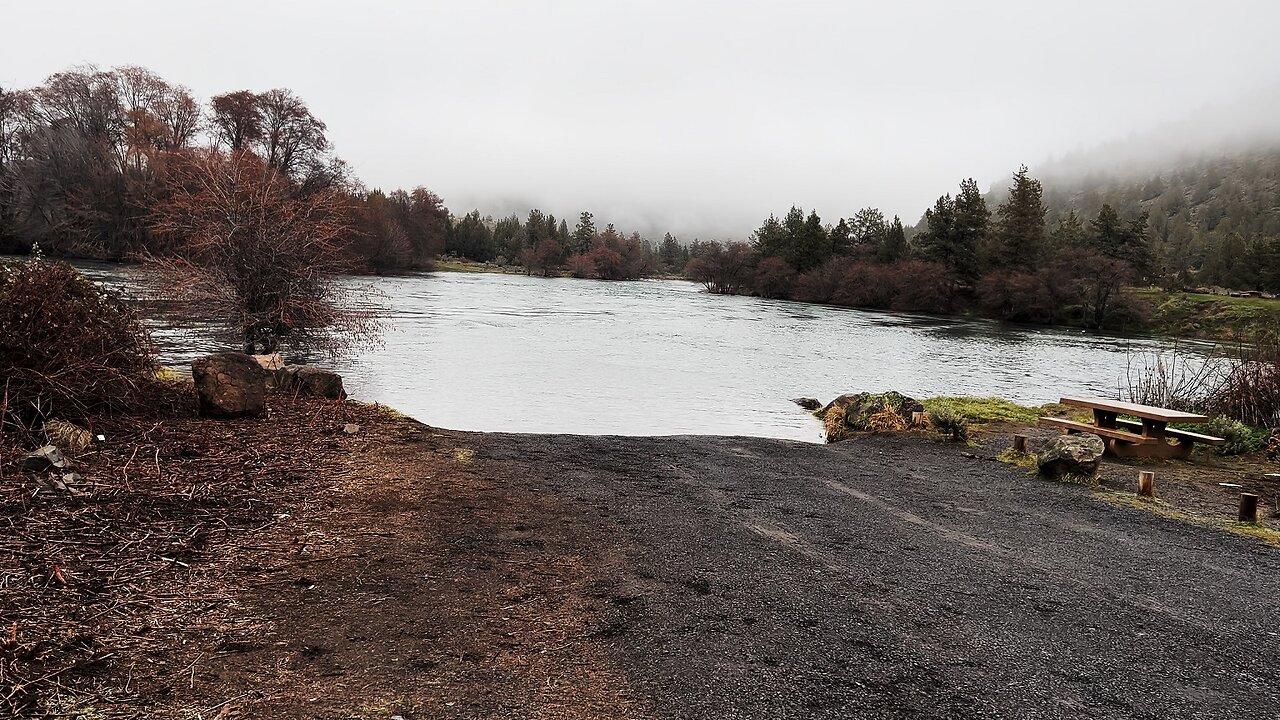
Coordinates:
(1215, 217)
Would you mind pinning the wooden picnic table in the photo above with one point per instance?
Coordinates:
(1148, 436)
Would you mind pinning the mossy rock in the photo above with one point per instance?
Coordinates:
(868, 412)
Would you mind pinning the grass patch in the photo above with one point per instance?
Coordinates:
(460, 266)
(1256, 531)
(1218, 317)
(1024, 460)
(464, 455)
(990, 409)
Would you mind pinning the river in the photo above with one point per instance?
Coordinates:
(494, 352)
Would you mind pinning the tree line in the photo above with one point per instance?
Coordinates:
(91, 161)
(1010, 262)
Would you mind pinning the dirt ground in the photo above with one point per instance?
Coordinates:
(288, 568)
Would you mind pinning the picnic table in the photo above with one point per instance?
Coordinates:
(1148, 436)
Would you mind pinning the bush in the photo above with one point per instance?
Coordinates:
(945, 420)
(773, 278)
(723, 269)
(1250, 390)
(1241, 439)
(68, 348)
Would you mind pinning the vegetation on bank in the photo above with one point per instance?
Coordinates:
(87, 157)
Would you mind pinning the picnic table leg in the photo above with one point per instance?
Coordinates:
(1104, 419)
(1153, 428)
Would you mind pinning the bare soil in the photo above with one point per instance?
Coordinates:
(289, 569)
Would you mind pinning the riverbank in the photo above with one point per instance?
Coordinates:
(299, 566)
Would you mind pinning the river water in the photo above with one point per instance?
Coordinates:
(493, 352)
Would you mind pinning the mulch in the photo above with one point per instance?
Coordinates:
(111, 578)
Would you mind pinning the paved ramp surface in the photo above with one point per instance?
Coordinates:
(893, 577)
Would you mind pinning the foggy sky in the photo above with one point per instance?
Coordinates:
(698, 117)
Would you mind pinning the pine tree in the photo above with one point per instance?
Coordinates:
(941, 242)
(770, 239)
(1020, 232)
(841, 239)
(580, 241)
(1122, 241)
(894, 247)
(813, 246)
(669, 252)
(867, 230)
(535, 228)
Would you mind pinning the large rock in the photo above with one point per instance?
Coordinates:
(868, 412)
(230, 385)
(1071, 455)
(308, 380)
(810, 404)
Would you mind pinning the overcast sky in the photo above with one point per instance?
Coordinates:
(701, 117)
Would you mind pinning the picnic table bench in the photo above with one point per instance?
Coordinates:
(1147, 437)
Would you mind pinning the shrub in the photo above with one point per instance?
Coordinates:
(948, 421)
(68, 348)
(725, 269)
(1241, 439)
(1250, 389)
(773, 278)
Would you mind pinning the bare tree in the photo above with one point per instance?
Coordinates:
(256, 258)
(236, 121)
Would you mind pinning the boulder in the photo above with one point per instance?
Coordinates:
(45, 459)
(314, 381)
(808, 403)
(1272, 445)
(230, 385)
(868, 412)
(1071, 455)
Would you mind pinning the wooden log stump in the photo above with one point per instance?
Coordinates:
(917, 419)
(1020, 443)
(1248, 508)
(1146, 484)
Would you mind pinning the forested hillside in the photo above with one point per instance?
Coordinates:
(1213, 221)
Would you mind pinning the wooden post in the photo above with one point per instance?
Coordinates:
(1248, 507)
(1146, 483)
(917, 419)
(1020, 443)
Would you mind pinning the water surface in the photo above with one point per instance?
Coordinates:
(492, 352)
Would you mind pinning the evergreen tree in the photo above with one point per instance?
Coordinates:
(867, 231)
(669, 253)
(770, 239)
(941, 242)
(1020, 234)
(471, 238)
(1122, 241)
(812, 246)
(562, 233)
(894, 247)
(509, 236)
(841, 239)
(580, 241)
(1069, 233)
(535, 228)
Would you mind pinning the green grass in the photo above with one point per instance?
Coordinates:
(1024, 460)
(991, 409)
(1218, 317)
(460, 266)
